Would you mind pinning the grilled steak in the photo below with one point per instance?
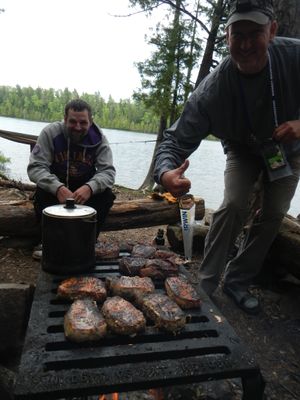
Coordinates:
(164, 254)
(129, 287)
(144, 251)
(81, 287)
(163, 311)
(122, 317)
(131, 265)
(159, 269)
(153, 267)
(84, 322)
(182, 292)
(127, 246)
(106, 251)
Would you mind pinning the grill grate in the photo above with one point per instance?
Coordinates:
(52, 367)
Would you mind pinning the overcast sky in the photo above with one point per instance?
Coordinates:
(73, 43)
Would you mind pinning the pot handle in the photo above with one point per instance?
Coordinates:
(70, 203)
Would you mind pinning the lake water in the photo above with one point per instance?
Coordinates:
(132, 154)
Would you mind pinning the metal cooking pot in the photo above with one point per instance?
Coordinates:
(68, 237)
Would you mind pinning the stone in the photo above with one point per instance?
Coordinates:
(175, 238)
(7, 380)
(15, 303)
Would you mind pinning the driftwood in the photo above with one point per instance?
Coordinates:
(6, 183)
(17, 217)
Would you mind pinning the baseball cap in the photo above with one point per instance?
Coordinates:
(259, 11)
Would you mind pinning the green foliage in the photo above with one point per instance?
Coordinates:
(47, 105)
(164, 77)
(3, 163)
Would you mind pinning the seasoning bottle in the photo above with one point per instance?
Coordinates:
(159, 239)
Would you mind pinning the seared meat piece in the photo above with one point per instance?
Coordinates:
(165, 254)
(163, 311)
(82, 286)
(84, 322)
(122, 317)
(182, 292)
(159, 269)
(142, 250)
(129, 287)
(131, 265)
(127, 246)
(152, 268)
(106, 250)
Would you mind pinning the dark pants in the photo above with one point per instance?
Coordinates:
(101, 202)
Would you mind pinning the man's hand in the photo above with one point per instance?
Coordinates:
(63, 194)
(82, 194)
(175, 182)
(287, 131)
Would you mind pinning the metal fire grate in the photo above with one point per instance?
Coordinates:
(52, 367)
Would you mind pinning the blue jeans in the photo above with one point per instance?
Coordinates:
(241, 174)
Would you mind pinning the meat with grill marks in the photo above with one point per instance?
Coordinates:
(163, 311)
(82, 287)
(129, 287)
(159, 269)
(182, 292)
(106, 251)
(143, 251)
(153, 267)
(84, 321)
(122, 317)
(131, 265)
(165, 254)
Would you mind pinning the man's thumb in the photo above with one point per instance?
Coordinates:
(183, 167)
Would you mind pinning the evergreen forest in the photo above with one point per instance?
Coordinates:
(47, 105)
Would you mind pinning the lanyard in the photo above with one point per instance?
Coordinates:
(244, 104)
(273, 91)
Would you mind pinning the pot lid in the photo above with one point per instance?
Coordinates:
(69, 210)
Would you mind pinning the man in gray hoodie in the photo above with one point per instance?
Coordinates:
(72, 159)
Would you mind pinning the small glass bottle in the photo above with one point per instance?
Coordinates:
(159, 239)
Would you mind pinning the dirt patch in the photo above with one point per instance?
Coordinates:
(273, 335)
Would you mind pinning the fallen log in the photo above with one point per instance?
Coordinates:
(6, 183)
(17, 217)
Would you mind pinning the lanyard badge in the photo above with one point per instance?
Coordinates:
(275, 160)
(272, 152)
(273, 155)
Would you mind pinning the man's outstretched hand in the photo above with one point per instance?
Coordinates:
(175, 182)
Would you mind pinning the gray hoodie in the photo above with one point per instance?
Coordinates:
(56, 161)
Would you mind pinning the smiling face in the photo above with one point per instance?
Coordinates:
(77, 124)
(248, 44)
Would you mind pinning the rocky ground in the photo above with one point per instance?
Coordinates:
(273, 335)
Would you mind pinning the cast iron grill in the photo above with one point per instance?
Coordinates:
(53, 368)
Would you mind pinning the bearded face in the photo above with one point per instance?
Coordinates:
(77, 125)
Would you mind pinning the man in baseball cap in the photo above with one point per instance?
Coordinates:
(251, 102)
(258, 11)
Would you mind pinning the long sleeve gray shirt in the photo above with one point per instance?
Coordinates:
(217, 107)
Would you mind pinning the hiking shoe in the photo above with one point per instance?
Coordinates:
(243, 299)
(37, 252)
